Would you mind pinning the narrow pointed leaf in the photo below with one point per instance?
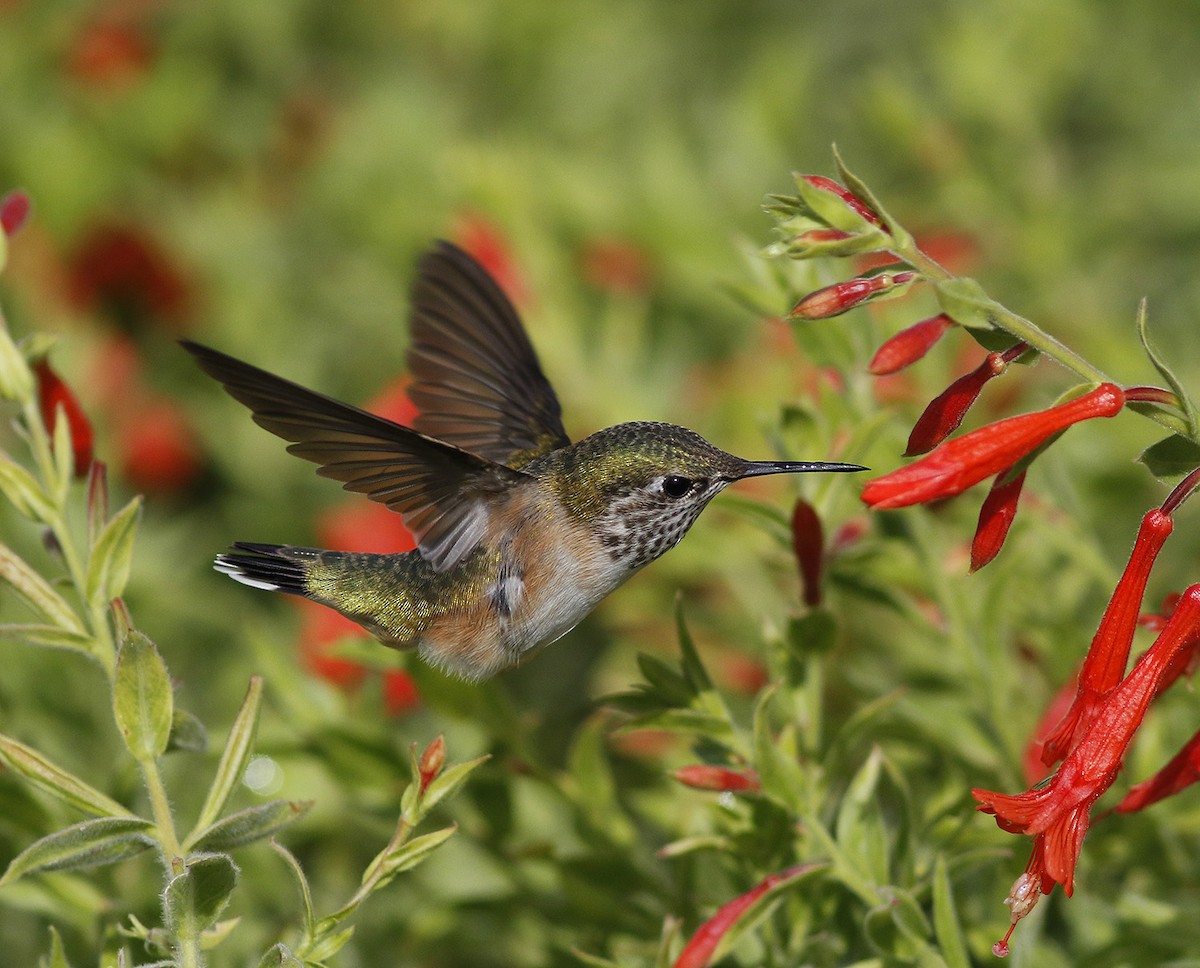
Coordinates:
(48, 636)
(143, 703)
(408, 855)
(781, 776)
(693, 669)
(449, 782)
(103, 840)
(195, 898)
(1185, 402)
(328, 945)
(234, 756)
(213, 936)
(23, 490)
(946, 926)
(58, 956)
(860, 829)
(53, 779)
(253, 823)
(108, 565)
(64, 458)
(187, 732)
(36, 591)
(900, 237)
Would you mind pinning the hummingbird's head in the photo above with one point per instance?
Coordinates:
(642, 485)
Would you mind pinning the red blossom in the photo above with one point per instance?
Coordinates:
(1058, 811)
(1109, 652)
(946, 411)
(615, 266)
(400, 694)
(995, 518)
(852, 201)
(699, 950)
(110, 55)
(909, 345)
(54, 396)
(14, 210)
(719, 778)
(841, 297)
(160, 452)
(487, 245)
(808, 543)
(965, 461)
(120, 270)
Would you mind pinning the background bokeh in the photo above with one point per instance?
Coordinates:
(261, 176)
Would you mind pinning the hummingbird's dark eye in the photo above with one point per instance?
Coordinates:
(675, 486)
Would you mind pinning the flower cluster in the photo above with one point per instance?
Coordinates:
(1090, 725)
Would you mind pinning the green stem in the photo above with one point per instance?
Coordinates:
(187, 944)
(1010, 322)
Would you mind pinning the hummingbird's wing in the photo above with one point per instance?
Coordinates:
(476, 379)
(443, 493)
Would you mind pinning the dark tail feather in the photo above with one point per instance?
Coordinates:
(275, 568)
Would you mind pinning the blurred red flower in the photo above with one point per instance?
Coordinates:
(487, 245)
(615, 266)
(55, 397)
(119, 270)
(110, 55)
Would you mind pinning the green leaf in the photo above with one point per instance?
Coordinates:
(310, 920)
(143, 703)
(103, 840)
(860, 829)
(195, 898)
(253, 823)
(396, 860)
(187, 732)
(964, 301)
(449, 781)
(667, 685)
(64, 459)
(53, 779)
(280, 957)
(946, 926)
(1185, 402)
(57, 957)
(49, 636)
(36, 592)
(780, 773)
(327, 944)
(110, 559)
(234, 757)
(1172, 456)
(23, 490)
(688, 721)
(694, 672)
(213, 936)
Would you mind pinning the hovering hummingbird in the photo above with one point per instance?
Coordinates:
(519, 532)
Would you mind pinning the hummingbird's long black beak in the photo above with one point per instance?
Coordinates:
(758, 468)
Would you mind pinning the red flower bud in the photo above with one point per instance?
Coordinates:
(843, 296)
(965, 461)
(946, 411)
(808, 543)
(14, 210)
(719, 778)
(400, 695)
(995, 518)
(431, 763)
(852, 201)
(909, 345)
(54, 395)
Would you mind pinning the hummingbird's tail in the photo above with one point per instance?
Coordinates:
(274, 568)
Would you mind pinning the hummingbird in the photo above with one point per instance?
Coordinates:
(519, 531)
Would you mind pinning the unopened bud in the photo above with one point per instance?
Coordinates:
(909, 345)
(844, 296)
(847, 198)
(431, 763)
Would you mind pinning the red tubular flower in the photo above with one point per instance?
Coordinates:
(699, 950)
(909, 345)
(488, 246)
(852, 201)
(120, 270)
(808, 543)
(1058, 812)
(995, 518)
(841, 297)
(1109, 652)
(14, 210)
(946, 411)
(54, 395)
(965, 461)
(718, 778)
(1181, 772)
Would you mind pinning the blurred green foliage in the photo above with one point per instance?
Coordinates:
(287, 161)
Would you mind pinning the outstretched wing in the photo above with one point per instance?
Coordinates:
(476, 379)
(442, 492)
